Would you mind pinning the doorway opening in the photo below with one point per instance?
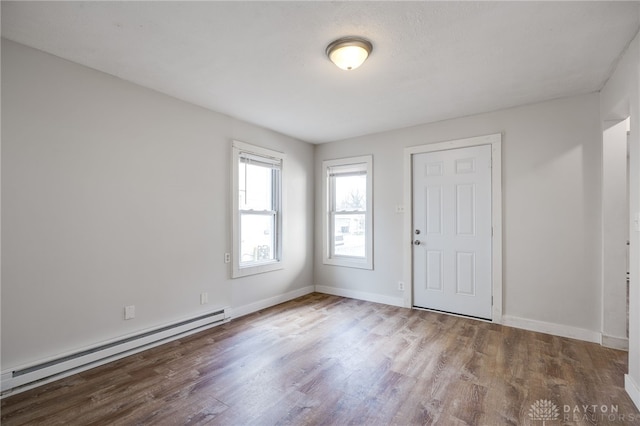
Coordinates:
(463, 260)
(615, 234)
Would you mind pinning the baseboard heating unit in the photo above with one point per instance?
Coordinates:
(30, 376)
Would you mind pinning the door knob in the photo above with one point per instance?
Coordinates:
(416, 242)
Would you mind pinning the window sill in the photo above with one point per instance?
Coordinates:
(256, 269)
(349, 263)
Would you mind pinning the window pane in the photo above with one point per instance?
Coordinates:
(257, 233)
(351, 193)
(349, 235)
(256, 185)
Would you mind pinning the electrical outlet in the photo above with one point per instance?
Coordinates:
(227, 258)
(204, 298)
(400, 286)
(399, 208)
(129, 312)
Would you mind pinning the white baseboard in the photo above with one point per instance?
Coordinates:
(23, 377)
(271, 301)
(551, 328)
(511, 321)
(361, 295)
(633, 389)
(614, 342)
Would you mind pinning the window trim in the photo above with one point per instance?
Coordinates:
(237, 149)
(327, 234)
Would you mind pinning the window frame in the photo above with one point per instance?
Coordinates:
(329, 211)
(270, 156)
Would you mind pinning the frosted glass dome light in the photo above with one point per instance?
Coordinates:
(348, 53)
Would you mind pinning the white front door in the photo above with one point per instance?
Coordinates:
(452, 231)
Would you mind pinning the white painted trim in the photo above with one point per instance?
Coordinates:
(13, 385)
(633, 389)
(495, 141)
(367, 262)
(258, 150)
(9, 384)
(615, 342)
(361, 295)
(552, 328)
(240, 311)
(407, 231)
(236, 270)
(507, 320)
(496, 220)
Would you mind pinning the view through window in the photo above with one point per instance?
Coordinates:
(349, 216)
(258, 182)
(348, 227)
(257, 209)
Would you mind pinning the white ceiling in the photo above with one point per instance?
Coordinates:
(264, 62)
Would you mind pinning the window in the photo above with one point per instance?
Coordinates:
(348, 225)
(257, 209)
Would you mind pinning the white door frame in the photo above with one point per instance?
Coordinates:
(495, 141)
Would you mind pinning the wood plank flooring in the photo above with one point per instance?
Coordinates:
(327, 360)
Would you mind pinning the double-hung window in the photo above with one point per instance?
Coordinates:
(348, 224)
(257, 209)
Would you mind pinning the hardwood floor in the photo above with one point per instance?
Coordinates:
(328, 360)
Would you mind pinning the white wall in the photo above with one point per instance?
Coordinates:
(620, 98)
(551, 215)
(116, 195)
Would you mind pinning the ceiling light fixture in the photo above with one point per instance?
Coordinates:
(348, 53)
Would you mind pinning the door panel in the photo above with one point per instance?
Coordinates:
(434, 210)
(466, 210)
(434, 270)
(452, 230)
